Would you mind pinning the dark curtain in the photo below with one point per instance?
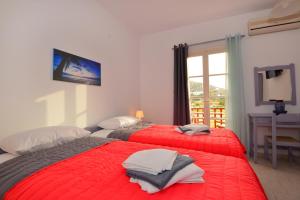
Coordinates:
(181, 98)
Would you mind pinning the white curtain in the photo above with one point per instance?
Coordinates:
(235, 101)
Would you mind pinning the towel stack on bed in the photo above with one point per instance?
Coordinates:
(193, 129)
(157, 169)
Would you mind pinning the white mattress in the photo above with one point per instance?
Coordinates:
(102, 133)
(6, 156)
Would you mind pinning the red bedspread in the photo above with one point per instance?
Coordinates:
(220, 140)
(98, 174)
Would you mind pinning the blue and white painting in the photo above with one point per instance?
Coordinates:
(71, 68)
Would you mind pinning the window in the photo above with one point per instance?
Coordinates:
(207, 88)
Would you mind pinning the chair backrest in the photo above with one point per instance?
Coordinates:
(289, 118)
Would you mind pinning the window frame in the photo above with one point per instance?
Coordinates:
(205, 76)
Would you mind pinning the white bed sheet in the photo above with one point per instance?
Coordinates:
(6, 156)
(102, 133)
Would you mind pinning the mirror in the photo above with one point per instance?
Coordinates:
(275, 83)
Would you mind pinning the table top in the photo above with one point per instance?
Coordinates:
(287, 123)
(260, 114)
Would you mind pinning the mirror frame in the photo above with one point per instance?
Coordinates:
(258, 88)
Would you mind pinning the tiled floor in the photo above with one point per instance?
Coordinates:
(282, 183)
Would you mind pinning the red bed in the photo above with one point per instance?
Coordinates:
(220, 140)
(98, 174)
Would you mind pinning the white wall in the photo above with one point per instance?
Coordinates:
(156, 61)
(29, 30)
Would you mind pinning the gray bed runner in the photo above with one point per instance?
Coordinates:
(125, 133)
(14, 170)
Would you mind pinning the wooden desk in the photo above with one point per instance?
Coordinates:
(257, 120)
(265, 120)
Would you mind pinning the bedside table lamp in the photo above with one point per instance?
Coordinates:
(139, 114)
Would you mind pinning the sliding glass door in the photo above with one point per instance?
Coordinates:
(207, 87)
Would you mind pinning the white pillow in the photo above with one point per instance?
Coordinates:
(40, 138)
(118, 122)
(6, 156)
(102, 133)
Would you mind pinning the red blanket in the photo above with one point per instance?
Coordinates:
(220, 140)
(98, 174)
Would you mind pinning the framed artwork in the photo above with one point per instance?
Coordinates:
(75, 69)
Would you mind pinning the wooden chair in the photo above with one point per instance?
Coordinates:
(286, 121)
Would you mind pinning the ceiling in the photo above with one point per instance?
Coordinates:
(149, 16)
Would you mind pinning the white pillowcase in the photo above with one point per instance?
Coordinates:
(102, 133)
(40, 138)
(6, 156)
(118, 122)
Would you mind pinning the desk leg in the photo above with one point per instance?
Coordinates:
(254, 134)
(251, 137)
(274, 143)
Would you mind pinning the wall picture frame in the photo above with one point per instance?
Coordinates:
(71, 68)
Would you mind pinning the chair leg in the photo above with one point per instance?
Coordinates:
(266, 148)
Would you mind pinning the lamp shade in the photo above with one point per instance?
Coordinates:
(139, 114)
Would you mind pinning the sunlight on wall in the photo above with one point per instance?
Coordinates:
(81, 102)
(81, 120)
(81, 105)
(55, 108)
(56, 103)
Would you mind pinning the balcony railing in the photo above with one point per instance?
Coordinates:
(217, 116)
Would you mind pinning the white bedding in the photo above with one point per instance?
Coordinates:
(40, 138)
(118, 122)
(6, 156)
(102, 133)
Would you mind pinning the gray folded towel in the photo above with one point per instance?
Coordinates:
(184, 129)
(161, 180)
(193, 129)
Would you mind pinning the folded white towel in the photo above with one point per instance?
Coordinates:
(196, 178)
(152, 161)
(189, 174)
